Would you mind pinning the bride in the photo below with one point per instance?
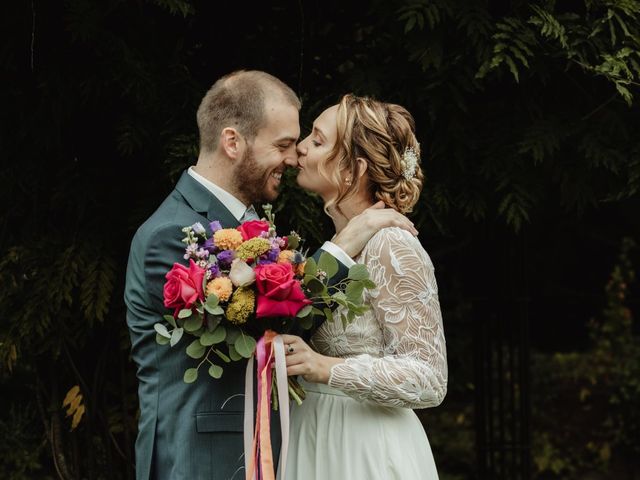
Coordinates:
(363, 380)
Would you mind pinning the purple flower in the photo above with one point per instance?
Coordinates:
(263, 260)
(226, 257)
(272, 255)
(214, 271)
(215, 226)
(209, 245)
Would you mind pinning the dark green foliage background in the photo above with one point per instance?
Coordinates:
(529, 121)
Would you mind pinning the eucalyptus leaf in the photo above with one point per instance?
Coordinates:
(245, 345)
(358, 272)
(185, 312)
(215, 371)
(222, 355)
(315, 286)
(176, 335)
(306, 323)
(213, 322)
(233, 354)
(310, 268)
(232, 334)
(328, 314)
(193, 323)
(161, 340)
(198, 333)
(328, 264)
(196, 349)
(170, 320)
(190, 375)
(354, 292)
(304, 311)
(217, 310)
(162, 330)
(339, 296)
(316, 312)
(369, 284)
(211, 338)
(212, 300)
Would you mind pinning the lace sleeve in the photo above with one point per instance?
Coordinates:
(413, 369)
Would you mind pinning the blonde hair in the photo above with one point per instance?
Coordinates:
(238, 100)
(379, 133)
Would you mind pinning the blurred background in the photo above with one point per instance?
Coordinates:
(529, 120)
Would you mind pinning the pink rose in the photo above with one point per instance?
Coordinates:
(252, 229)
(279, 294)
(183, 287)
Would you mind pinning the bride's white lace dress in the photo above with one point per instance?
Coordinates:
(361, 425)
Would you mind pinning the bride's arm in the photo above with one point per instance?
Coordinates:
(413, 371)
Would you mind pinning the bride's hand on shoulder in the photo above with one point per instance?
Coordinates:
(355, 235)
(303, 360)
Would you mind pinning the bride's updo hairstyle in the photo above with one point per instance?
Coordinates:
(383, 134)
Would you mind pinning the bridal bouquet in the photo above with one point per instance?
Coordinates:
(242, 282)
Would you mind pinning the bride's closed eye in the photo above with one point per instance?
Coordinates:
(316, 143)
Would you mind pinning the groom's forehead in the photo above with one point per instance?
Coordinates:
(281, 118)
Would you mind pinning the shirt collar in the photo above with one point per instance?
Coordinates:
(235, 206)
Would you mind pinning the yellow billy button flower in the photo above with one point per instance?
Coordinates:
(227, 239)
(221, 287)
(253, 248)
(241, 306)
(286, 256)
(299, 268)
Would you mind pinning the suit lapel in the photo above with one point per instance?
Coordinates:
(204, 202)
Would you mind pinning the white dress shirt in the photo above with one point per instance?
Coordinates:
(238, 209)
(235, 206)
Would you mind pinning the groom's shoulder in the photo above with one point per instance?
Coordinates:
(171, 216)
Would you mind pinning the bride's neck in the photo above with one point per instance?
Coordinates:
(348, 209)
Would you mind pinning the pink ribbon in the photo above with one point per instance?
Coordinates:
(257, 442)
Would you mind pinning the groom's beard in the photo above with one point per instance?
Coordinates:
(252, 181)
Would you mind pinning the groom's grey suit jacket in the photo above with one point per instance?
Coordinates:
(186, 431)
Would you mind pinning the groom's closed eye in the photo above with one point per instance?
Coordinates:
(284, 145)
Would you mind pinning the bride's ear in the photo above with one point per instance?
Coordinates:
(362, 166)
(230, 142)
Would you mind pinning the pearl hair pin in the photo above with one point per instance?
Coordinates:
(409, 163)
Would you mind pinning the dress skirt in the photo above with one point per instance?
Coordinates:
(334, 437)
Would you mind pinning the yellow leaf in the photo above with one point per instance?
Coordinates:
(77, 417)
(71, 394)
(74, 405)
(605, 452)
(584, 394)
(12, 358)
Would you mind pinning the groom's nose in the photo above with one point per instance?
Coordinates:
(301, 149)
(292, 159)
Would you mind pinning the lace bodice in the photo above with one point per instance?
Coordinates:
(395, 352)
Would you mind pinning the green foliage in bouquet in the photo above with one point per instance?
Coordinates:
(226, 328)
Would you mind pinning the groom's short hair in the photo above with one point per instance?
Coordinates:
(238, 100)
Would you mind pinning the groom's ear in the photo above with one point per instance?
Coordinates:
(230, 141)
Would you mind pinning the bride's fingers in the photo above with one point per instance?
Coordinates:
(289, 339)
(300, 369)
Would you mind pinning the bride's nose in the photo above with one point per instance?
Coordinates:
(301, 149)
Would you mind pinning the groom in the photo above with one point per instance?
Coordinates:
(248, 123)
